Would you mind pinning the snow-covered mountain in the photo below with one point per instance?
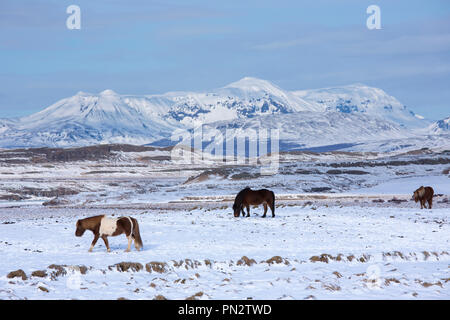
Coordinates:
(441, 126)
(90, 119)
(312, 130)
(308, 118)
(246, 98)
(359, 98)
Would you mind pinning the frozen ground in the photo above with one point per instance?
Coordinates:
(151, 177)
(346, 227)
(306, 252)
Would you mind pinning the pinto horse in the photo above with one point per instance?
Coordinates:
(248, 197)
(103, 226)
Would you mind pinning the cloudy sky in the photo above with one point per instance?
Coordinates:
(146, 47)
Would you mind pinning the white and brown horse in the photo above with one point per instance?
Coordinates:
(103, 227)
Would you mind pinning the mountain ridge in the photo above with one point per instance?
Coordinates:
(109, 117)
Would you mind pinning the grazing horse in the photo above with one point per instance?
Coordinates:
(248, 197)
(424, 194)
(103, 226)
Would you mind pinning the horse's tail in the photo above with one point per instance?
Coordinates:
(136, 234)
(273, 202)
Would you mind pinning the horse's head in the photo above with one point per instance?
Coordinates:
(80, 230)
(415, 196)
(236, 209)
(418, 193)
(237, 206)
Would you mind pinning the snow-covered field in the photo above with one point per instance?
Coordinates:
(345, 228)
(305, 252)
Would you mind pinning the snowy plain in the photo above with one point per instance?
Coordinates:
(361, 237)
(317, 252)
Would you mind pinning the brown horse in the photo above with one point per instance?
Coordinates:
(424, 194)
(102, 227)
(248, 197)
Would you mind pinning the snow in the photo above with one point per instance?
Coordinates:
(398, 253)
(441, 126)
(307, 130)
(361, 238)
(108, 92)
(403, 185)
(359, 98)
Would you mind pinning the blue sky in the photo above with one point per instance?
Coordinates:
(146, 47)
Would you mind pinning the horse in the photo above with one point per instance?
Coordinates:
(103, 227)
(247, 197)
(424, 194)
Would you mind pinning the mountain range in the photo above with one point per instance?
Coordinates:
(346, 117)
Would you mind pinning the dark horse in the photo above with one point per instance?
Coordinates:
(248, 197)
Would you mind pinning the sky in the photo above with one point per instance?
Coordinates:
(149, 47)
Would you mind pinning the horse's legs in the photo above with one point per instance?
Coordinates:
(94, 242)
(242, 211)
(430, 203)
(265, 209)
(136, 245)
(105, 240)
(130, 239)
(248, 210)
